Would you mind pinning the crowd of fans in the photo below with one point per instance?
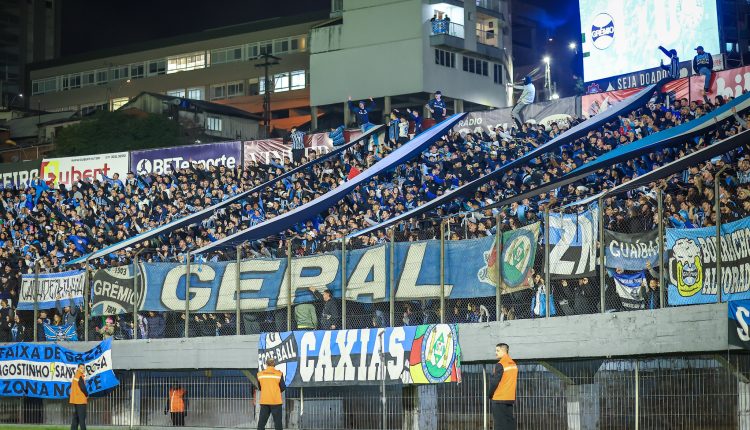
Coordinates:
(53, 226)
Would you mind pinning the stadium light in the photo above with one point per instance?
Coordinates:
(572, 46)
(546, 59)
(555, 96)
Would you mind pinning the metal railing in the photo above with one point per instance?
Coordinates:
(692, 392)
(443, 26)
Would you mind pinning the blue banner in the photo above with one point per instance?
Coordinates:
(739, 317)
(692, 263)
(59, 333)
(470, 272)
(424, 354)
(630, 287)
(65, 289)
(45, 371)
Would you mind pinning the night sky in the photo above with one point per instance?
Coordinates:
(90, 25)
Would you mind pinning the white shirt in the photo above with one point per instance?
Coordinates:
(528, 94)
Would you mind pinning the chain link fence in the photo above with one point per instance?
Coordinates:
(691, 392)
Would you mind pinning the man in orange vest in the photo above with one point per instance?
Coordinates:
(272, 384)
(503, 389)
(177, 405)
(79, 398)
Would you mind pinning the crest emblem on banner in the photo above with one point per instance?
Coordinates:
(282, 347)
(438, 349)
(689, 267)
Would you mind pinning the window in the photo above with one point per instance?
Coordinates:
(445, 58)
(228, 55)
(119, 102)
(176, 93)
(235, 89)
(42, 86)
(473, 65)
(70, 82)
(218, 92)
(498, 74)
(158, 67)
(280, 82)
(101, 77)
(266, 48)
(136, 71)
(184, 63)
(89, 78)
(297, 80)
(253, 87)
(120, 73)
(213, 124)
(195, 93)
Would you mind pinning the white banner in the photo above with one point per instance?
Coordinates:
(65, 287)
(69, 170)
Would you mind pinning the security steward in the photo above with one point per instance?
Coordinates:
(503, 389)
(79, 398)
(272, 384)
(177, 405)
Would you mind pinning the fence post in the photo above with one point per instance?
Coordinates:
(442, 272)
(499, 264)
(132, 401)
(187, 295)
(86, 299)
(660, 221)
(602, 269)
(637, 394)
(392, 280)
(37, 268)
(718, 233)
(343, 283)
(484, 398)
(546, 261)
(237, 314)
(135, 298)
(289, 285)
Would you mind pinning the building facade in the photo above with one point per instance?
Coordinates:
(393, 51)
(216, 65)
(30, 33)
(401, 52)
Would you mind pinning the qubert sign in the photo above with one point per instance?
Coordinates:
(69, 170)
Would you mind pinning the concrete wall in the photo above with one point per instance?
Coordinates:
(673, 330)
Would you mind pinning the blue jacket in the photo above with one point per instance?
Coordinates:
(703, 60)
(362, 115)
(337, 136)
(437, 106)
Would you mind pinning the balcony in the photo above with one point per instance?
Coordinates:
(494, 7)
(446, 34)
(489, 43)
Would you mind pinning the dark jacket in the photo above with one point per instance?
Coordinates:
(703, 60)
(362, 115)
(330, 314)
(156, 326)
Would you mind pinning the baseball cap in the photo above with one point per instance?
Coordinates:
(699, 48)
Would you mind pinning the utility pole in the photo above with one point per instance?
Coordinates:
(268, 60)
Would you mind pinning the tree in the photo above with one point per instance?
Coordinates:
(117, 131)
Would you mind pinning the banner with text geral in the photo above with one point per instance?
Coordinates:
(470, 272)
(45, 371)
(424, 354)
(65, 287)
(692, 263)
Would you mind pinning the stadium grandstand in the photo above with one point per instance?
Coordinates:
(601, 240)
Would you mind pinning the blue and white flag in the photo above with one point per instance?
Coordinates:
(628, 286)
(66, 288)
(46, 371)
(58, 333)
(631, 251)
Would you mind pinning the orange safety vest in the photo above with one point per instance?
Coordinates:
(77, 396)
(176, 400)
(270, 386)
(506, 389)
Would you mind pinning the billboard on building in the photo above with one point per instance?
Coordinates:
(166, 160)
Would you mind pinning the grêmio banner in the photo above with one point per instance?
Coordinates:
(470, 272)
(45, 371)
(424, 354)
(692, 263)
(113, 291)
(739, 319)
(631, 251)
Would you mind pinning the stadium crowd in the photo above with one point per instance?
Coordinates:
(53, 226)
